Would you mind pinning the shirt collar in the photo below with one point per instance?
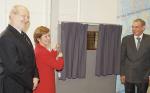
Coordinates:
(141, 36)
(17, 29)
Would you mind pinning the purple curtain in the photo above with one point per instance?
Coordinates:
(73, 42)
(108, 50)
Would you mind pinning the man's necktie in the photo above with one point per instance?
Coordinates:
(25, 37)
(138, 43)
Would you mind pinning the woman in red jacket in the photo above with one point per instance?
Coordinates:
(47, 61)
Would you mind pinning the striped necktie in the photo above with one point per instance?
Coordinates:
(138, 43)
(25, 37)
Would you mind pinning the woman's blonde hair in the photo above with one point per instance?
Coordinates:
(39, 31)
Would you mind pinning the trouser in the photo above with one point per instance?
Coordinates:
(139, 87)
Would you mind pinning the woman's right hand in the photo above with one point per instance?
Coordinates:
(60, 54)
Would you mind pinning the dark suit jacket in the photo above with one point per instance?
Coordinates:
(135, 64)
(18, 60)
(1, 74)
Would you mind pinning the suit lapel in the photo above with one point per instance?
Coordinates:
(141, 45)
(13, 31)
(133, 45)
(18, 36)
(26, 38)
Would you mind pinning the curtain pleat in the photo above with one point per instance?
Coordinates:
(73, 41)
(108, 50)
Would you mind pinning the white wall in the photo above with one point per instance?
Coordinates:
(92, 11)
(2, 15)
(68, 10)
(99, 11)
(54, 22)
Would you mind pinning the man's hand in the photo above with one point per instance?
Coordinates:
(122, 78)
(35, 82)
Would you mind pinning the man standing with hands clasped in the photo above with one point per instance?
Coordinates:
(17, 55)
(135, 59)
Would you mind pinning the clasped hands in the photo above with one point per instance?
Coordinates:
(58, 48)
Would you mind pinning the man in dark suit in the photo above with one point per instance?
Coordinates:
(17, 55)
(135, 59)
